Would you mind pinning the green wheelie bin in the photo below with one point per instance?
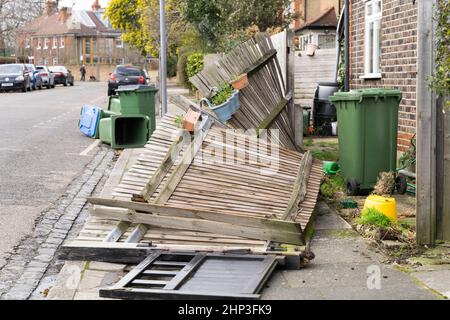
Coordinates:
(367, 121)
(138, 99)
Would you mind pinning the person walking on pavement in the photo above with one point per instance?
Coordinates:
(83, 73)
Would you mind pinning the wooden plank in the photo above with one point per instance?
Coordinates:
(269, 120)
(160, 272)
(117, 232)
(203, 225)
(183, 275)
(150, 282)
(426, 125)
(183, 212)
(161, 172)
(446, 206)
(180, 169)
(129, 277)
(260, 63)
(300, 187)
(170, 295)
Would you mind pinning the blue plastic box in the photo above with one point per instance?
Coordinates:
(89, 120)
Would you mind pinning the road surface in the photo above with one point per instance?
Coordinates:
(41, 152)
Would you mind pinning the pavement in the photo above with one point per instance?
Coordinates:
(49, 169)
(41, 152)
(345, 267)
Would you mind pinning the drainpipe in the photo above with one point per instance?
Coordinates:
(347, 45)
(304, 9)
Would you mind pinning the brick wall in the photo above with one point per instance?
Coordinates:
(398, 58)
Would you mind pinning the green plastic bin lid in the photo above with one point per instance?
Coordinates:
(359, 94)
(136, 88)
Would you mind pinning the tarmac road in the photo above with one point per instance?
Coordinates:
(41, 152)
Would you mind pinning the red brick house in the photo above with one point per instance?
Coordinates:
(72, 38)
(383, 53)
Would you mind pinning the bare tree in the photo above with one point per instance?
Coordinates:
(14, 14)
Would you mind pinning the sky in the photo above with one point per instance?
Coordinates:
(81, 4)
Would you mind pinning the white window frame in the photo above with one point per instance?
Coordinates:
(45, 42)
(27, 41)
(62, 42)
(55, 42)
(55, 61)
(372, 58)
(119, 41)
(39, 43)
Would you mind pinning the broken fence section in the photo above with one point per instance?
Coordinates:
(176, 197)
(263, 103)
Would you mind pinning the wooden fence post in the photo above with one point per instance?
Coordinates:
(295, 111)
(446, 198)
(426, 127)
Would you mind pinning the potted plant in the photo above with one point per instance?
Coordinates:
(240, 82)
(224, 102)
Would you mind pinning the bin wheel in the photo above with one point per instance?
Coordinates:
(352, 187)
(401, 184)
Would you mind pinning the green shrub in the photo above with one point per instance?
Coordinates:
(224, 93)
(181, 69)
(332, 185)
(194, 64)
(372, 216)
(172, 66)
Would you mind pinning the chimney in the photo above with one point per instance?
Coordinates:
(96, 6)
(64, 14)
(50, 7)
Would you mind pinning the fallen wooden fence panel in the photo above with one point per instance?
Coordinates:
(194, 276)
(212, 206)
(264, 102)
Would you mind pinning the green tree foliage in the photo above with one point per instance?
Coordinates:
(217, 20)
(194, 64)
(440, 82)
(139, 19)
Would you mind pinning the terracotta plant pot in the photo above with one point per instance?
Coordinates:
(190, 120)
(241, 82)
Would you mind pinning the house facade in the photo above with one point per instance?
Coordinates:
(309, 10)
(72, 38)
(320, 31)
(383, 54)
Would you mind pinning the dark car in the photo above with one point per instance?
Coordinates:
(36, 80)
(48, 78)
(14, 77)
(126, 75)
(62, 75)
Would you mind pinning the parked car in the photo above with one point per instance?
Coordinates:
(62, 75)
(15, 77)
(126, 75)
(36, 80)
(48, 78)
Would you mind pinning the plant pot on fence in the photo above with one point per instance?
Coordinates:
(311, 49)
(226, 110)
(241, 82)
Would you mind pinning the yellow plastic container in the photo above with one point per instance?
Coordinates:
(388, 206)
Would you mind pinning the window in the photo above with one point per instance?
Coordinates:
(55, 42)
(46, 43)
(27, 41)
(62, 42)
(119, 43)
(327, 41)
(44, 61)
(372, 39)
(39, 43)
(55, 61)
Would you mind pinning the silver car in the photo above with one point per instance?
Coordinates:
(48, 78)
